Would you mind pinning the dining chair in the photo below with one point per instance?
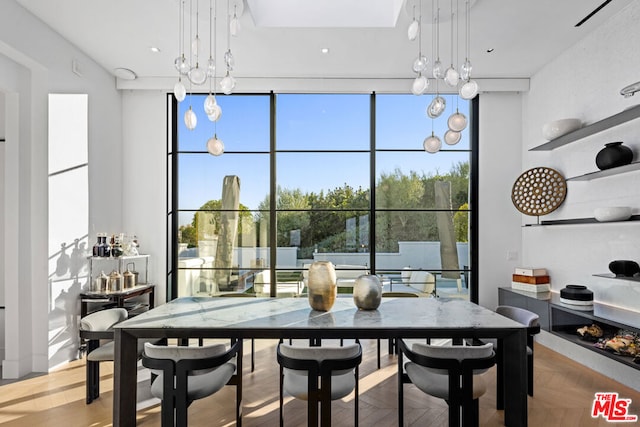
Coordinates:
(450, 372)
(392, 341)
(183, 374)
(318, 375)
(529, 319)
(94, 328)
(253, 343)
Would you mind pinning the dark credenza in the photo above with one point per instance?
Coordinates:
(563, 321)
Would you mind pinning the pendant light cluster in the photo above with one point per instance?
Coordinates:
(460, 80)
(195, 72)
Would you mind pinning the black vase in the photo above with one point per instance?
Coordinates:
(613, 154)
(624, 268)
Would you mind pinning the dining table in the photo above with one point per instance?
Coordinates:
(284, 318)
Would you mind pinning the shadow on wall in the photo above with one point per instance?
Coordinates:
(73, 264)
(68, 275)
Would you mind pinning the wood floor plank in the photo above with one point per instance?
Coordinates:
(564, 395)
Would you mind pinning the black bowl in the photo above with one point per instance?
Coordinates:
(576, 293)
(624, 268)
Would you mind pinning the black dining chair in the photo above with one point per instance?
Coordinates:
(319, 375)
(529, 319)
(183, 374)
(450, 372)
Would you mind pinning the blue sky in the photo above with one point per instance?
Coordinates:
(308, 122)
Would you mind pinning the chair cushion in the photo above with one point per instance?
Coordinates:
(103, 320)
(104, 353)
(200, 385)
(295, 383)
(435, 383)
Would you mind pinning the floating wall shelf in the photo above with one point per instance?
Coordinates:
(604, 124)
(606, 172)
(611, 276)
(574, 221)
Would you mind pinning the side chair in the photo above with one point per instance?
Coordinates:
(94, 328)
(449, 372)
(183, 374)
(318, 375)
(529, 319)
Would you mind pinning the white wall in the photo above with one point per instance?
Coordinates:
(144, 192)
(572, 86)
(584, 82)
(45, 60)
(2, 155)
(499, 221)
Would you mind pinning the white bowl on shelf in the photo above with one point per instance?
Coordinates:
(612, 213)
(557, 128)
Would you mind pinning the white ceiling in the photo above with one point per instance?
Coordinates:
(524, 35)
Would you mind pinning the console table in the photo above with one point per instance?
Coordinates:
(117, 299)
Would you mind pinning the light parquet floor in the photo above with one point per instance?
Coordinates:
(564, 392)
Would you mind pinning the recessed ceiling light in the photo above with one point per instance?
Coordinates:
(154, 49)
(324, 50)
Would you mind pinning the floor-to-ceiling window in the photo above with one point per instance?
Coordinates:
(309, 177)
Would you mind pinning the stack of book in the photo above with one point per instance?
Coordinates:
(531, 279)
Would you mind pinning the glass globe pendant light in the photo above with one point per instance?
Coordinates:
(438, 69)
(215, 146)
(437, 105)
(470, 87)
(227, 84)
(414, 27)
(421, 82)
(216, 113)
(420, 85)
(182, 65)
(197, 75)
(210, 104)
(452, 137)
(432, 143)
(190, 119)
(451, 75)
(179, 91)
(211, 107)
(457, 121)
(420, 64)
(234, 25)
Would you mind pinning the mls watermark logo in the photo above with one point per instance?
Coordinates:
(612, 408)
